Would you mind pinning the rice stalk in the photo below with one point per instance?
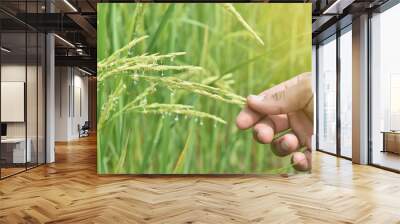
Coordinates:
(141, 59)
(147, 67)
(141, 99)
(122, 158)
(230, 8)
(205, 90)
(179, 109)
(223, 82)
(127, 47)
(182, 155)
(110, 104)
(137, 15)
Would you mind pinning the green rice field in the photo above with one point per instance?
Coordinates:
(173, 77)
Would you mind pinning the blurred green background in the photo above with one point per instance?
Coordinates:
(213, 38)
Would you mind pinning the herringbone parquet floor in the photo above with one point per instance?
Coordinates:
(70, 191)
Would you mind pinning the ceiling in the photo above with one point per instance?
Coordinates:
(75, 22)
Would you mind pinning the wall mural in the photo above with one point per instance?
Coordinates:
(204, 88)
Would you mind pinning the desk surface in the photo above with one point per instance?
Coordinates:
(390, 132)
(13, 140)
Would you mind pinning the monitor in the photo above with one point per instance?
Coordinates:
(3, 129)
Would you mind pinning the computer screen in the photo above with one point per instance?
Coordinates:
(3, 129)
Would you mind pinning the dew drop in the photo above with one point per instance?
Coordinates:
(176, 118)
(201, 123)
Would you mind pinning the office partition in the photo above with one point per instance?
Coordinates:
(22, 78)
(334, 93)
(327, 95)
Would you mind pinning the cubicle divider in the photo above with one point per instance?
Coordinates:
(22, 93)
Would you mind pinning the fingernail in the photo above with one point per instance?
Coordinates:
(256, 97)
(284, 145)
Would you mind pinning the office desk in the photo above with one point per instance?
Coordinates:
(13, 150)
(391, 141)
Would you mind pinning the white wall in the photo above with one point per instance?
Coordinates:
(33, 126)
(62, 81)
(16, 73)
(70, 83)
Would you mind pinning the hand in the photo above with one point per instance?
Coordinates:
(287, 105)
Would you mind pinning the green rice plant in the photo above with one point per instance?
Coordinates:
(230, 8)
(179, 109)
(198, 88)
(119, 63)
(109, 106)
(172, 79)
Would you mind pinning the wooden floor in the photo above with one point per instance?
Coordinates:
(70, 191)
(5, 172)
(387, 159)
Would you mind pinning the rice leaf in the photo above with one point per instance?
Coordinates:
(181, 158)
(164, 19)
(230, 8)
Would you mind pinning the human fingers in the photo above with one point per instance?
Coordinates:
(289, 96)
(265, 129)
(302, 127)
(302, 161)
(285, 145)
(247, 118)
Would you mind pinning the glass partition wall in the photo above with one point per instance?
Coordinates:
(334, 84)
(385, 89)
(22, 93)
(327, 95)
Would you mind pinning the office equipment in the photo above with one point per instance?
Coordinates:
(13, 150)
(3, 130)
(391, 141)
(12, 101)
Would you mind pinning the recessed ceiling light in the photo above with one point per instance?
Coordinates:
(70, 5)
(65, 41)
(5, 50)
(337, 7)
(84, 71)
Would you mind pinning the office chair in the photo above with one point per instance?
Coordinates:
(84, 130)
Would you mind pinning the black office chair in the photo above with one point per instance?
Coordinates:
(84, 130)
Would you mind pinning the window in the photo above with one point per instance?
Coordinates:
(385, 89)
(346, 92)
(327, 96)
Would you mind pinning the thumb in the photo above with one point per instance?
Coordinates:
(289, 96)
